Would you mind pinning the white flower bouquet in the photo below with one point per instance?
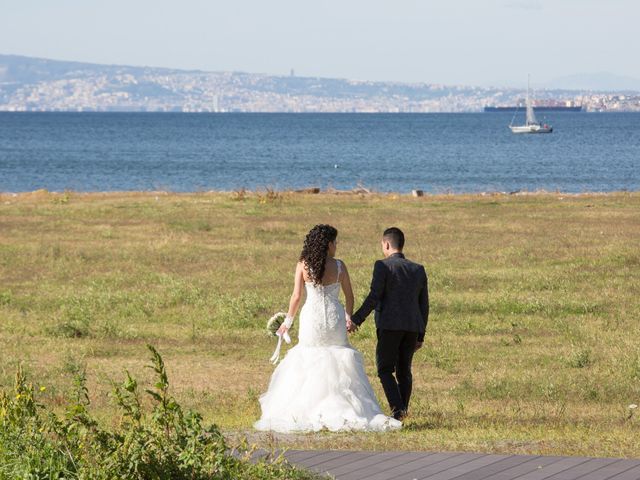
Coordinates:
(273, 325)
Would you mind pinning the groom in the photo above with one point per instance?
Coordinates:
(400, 296)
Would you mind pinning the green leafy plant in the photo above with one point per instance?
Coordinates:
(163, 442)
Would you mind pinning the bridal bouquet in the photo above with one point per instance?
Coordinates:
(273, 325)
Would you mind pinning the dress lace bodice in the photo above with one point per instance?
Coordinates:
(322, 318)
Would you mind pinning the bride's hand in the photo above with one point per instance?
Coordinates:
(282, 330)
(286, 325)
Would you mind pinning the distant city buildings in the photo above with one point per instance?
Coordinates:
(87, 87)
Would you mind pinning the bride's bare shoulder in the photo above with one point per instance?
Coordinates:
(301, 269)
(343, 265)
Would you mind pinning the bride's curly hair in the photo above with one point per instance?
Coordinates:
(314, 250)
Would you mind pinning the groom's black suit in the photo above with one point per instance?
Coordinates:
(400, 296)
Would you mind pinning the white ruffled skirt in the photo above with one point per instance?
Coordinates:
(322, 387)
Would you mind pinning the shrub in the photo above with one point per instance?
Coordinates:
(163, 442)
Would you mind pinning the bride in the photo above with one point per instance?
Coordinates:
(321, 383)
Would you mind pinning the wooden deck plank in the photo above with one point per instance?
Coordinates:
(557, 467)
(371, 470)
(301, 455)
(591, 465)
(393, 459)
(378, 459)
(413, 465)
(337, 462)
(495, 468)
(436, 468)
(349, 465)
(328, 456)
(532, 465)
(615, 468)
(631, 474)
(469, 466)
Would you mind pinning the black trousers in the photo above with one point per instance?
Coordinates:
(394, 353)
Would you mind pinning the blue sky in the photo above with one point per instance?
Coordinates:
(481, 42)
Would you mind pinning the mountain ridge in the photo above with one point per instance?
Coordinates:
(597, 82)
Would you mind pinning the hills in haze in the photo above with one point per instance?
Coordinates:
(28, 83)
(597, 82)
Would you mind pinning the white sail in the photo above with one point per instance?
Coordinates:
(531, 117)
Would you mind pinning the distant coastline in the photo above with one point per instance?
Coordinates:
(502, 109)
(541, 108)
(38, 84)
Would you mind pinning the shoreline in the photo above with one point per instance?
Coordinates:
(311, 191)
(283, 112)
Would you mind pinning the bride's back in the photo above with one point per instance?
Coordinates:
(322, 318)
(331, 273)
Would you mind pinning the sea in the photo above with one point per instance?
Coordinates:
(436, 153)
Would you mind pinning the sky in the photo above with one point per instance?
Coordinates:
(467, 42)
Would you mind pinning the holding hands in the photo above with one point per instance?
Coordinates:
(351, 326)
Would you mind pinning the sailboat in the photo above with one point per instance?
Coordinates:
(532, 125)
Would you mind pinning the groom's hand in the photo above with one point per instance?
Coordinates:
(351, 327)
(418, 346)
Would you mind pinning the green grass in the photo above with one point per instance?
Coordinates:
(532, 345)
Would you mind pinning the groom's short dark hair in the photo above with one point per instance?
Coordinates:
(395, 237)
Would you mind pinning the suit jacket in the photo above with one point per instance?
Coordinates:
(399, 294)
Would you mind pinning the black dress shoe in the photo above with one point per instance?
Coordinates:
(400, 415)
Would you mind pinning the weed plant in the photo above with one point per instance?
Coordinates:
(162, 441)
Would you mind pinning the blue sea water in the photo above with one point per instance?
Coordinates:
(385, 152)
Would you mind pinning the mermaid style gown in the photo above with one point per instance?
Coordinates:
(321, 383)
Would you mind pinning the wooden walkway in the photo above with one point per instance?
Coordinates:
(460, 466)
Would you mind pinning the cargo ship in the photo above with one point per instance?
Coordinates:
(540, 108)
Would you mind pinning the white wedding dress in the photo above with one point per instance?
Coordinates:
(321, 383)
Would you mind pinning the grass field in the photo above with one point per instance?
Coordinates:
(533, 344)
